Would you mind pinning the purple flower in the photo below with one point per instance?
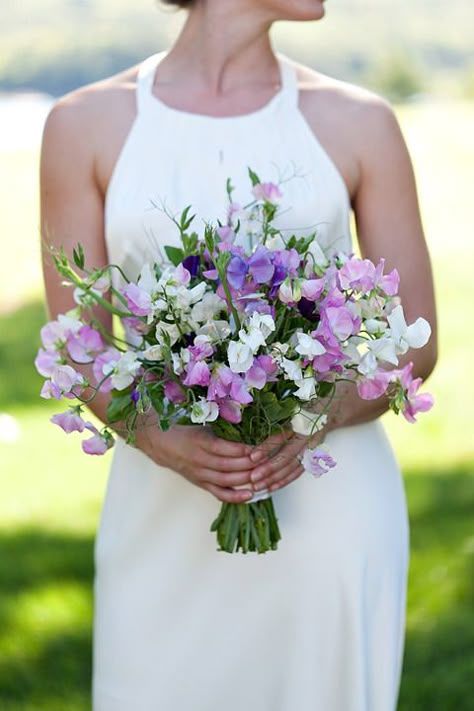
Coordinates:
(50, 390)
(65, 378)
(312, 289)
(357, 274)
(69, 421)
(192, 264)
(260, 265)
(307, 309)
(389, 283)
(373, 388)
(236, 272)
(227, 384)
(262, 370)
(317, 461)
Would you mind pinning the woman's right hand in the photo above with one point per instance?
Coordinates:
(207, 461)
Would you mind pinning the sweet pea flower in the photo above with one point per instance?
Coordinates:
(317, 461)
(207, 308)
(83, 345)
(170, 329)
(54, 333)
(260, 265)
(413, 402)
(103, 366)
(291, 368)
(357, 274)
(66, 378)
(124, 372)
(240, 356)
(237, 270)
(152, 353)
(174, 392)
(198, 373)
(204, 411)
(268, 192)
(316, 260)
(341, 321)
(290, 291)
(414, 336)
(50, 390)
(308, 346)
(139, 301)
(311, 289)
(230, 410)
(99, 443)
(69, 421)
(46, 361)
(388, 283)
(374, 387)
(306, 386)
(262, 370)
(215, 330)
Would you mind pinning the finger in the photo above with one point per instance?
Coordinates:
(287, 454)
(278, 475)
(223, 448)
(224, 464)
(226, 479)
(231, 496)
(270, 445)
(295, 474)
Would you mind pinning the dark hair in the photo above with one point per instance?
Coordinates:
(178, 3)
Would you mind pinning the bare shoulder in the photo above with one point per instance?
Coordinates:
(347, 104)
(354, 124)
(90, 124)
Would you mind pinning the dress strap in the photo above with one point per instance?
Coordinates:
(289, 83)
(145, 77)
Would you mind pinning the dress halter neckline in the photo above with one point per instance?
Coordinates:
(287, 93)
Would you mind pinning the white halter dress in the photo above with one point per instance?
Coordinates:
(317, 625)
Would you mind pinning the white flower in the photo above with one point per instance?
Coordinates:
(125, 370)
(384, 349)
(292, 368)
(186, 297)
(308, 423)
(152, 353)
(205, 310)
(306, 386)
(308, 346)
(216, 330)
(278, 350)
(253, 339)
(316, 258)
(240, 357)
(368, 365)
(204, 411)
(171, 329)
(259, 327)
(414, 336)
(373, 325)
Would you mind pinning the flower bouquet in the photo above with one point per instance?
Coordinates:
(239, 330)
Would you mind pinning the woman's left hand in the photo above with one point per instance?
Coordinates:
(283, 462)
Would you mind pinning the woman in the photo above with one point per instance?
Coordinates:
(319, 624)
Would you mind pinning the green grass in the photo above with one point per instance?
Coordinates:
(51, 493)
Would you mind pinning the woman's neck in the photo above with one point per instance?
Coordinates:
(222, 46)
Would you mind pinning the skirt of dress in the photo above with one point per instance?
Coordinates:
(316, 626)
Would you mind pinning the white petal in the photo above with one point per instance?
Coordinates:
(418, 333)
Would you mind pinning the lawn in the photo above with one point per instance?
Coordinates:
(51, 495)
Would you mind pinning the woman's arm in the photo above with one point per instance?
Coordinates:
(72, 211)
(389, 226)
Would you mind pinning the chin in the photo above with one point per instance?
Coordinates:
(296, 10)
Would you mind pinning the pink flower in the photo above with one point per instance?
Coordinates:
(99, 443)
(230, 410)
(138, 300)
(50, 390)
(83, 345)
(181, 275)
(227, 384)
(103, 365)
(262, 370)
(198, 373)
(174, 392)
(357, 274)
(65, 378)
(69, 421)
(46, 361)
(340, 321)
(267, 191)
(317, 461)
(373, 388)
(389, 283)
(312, 289)
(413, 402)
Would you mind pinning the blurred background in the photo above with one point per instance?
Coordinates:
(419, 54)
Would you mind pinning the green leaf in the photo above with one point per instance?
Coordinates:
(226, 430)
(254, 177)
(174, 254)
(325, 389)
(120, 407)
(78, 256)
